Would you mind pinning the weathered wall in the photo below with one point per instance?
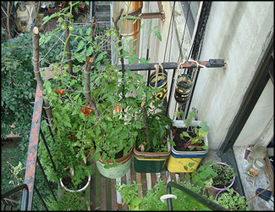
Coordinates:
(237, 32)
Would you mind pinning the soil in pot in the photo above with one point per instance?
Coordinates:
(142, 133)
(182, 145)
(68, 183)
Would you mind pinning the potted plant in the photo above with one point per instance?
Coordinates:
(183, 88)
(87, 89)
(152, 200)
(152, 147)
(191, 143)
(231, 200)
(158, 79)
(73, 173)
(225, 176)
(212, 177)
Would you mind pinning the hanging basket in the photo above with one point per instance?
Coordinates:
(161, 83)
(183, 88)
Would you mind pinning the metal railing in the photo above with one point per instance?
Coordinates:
(6, 194)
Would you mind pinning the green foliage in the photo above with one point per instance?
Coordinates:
(194, 134)
(106, 132)
(151, 201)
(159, 126)
(69, 201)
(13, 172)
(64, 157)
(16, 64)
(211, 174)
(225, 175)
(230, 200)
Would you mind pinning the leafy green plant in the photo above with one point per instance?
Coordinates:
(158, 125)
(193, 134)
(211, 174)
(151, 201)
(225, 175)
(69, 201)
(83, 102)
(64, 157)
(230, 200)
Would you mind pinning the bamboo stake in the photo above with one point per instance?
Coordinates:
(68, 49)
(120, 44)
(88, 65)
(146, 124)
(37, 74)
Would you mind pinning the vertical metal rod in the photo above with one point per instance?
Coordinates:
(45, 115)
(40, 165)
(40, 197)
(44, 140)
(169, 100)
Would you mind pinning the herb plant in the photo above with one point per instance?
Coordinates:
(193, 134)
(151, 201)
(231, 200)
(153, 136)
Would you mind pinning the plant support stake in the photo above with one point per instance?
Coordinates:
(36, 70)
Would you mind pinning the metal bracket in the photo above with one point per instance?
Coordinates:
(159, 14)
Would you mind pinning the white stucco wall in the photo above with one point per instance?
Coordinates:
(238, 33)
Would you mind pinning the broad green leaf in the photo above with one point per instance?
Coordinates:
(80, 45)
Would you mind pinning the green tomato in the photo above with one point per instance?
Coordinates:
(60, 20)
(63, 26)
(108, 34)
(69, 15)
(113, 77)
(115, 34)
(71, 27)
(66, 66)
(105, 76)
(56, 76)
(116, 70)
(65, 74)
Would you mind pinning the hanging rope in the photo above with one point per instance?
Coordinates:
(169, 30)
(184, 30)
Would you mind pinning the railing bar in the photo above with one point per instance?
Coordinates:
(40, 197)
(148, 75)
(23, 187)
(33, 146)
(44, 140)
(44, 113)
(40, 165)
(169, 100)
(207, 202)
